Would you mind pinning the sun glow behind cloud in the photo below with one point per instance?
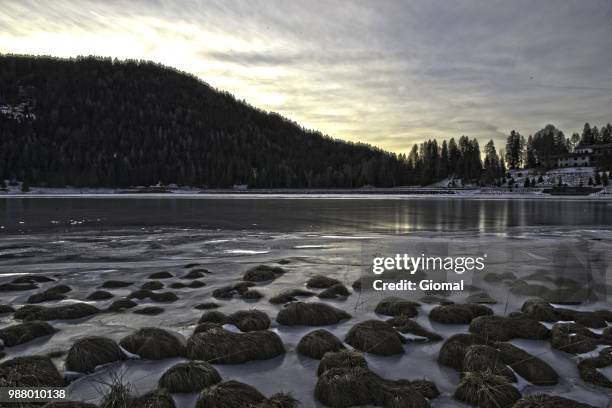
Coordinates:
(390, 73)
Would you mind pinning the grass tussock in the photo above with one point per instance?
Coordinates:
(25, 332)
(263, 273)
(406, 325)
(290, 295)
(376, 337)
(192, 376)
(279, 400)
(152, 285)
(149, 311)
(341, 359)
(152, 343)
(100, 295)
(310, 314)
(347, 387)
(500, 328)
(394, 306)
(318, 342)
(121, 304)
(337, 291)
(321, 282)
(30, 371)
(219, 346)
(486, 390)
(589, 368)
(65, 312)
(229, 394)
(90, 352)
(548, 401)
(161, 275)
(452, 352)
(249, 320)
(458, 313)
(116, 284)
(162, 297)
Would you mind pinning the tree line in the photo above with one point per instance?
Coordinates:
(100, 122)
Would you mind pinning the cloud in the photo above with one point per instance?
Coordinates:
(387, 73)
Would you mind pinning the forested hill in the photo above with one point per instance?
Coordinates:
(98, 122)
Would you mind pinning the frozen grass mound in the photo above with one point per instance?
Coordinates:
(25, 332)
(149, 311)
(548, 401)
(341, 359)
(480, 358)
(229, 394)
(376, 337)
(347, 387)
(194, 274)
(207, 306)
(290, 295)
(279, 400)
(121, 304)
(406, 325)
(32, 279)
(458, 313)
(161, 275)
(573, 338)
(152, 285)
(162, 297)
(310, 314)
(394, 306)
(452, 352)
(229, 291)
(249, 320)
(17, 287)
(66, 312)
(100, 295)
(318, 342)
(152, 343)
(530, 367)
(30, 371)
(337, 291)
(541, 310)
(219, 346)
(115, 284)
(486, 390)
(321, 282)
(499, 328)
(193, 376)
(263, 273)
(90, 352)
(213, 316)
(49, 295)
(589, 368)
(120, 396)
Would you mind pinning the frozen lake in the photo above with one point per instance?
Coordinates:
(82, 242)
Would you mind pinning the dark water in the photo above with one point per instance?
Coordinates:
(302, 214)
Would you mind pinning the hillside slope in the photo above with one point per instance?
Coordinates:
(103, 123)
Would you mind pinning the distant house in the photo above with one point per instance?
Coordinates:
(585, 156)
(580, 157)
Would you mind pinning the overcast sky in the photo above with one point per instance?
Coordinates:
(390, 73)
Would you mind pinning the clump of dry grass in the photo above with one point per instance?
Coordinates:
(341, 359)
(458, 313)
(163, 297)
(337, 291)
(249, 320)
(310, 314)
(65, 312)
(500, 328)
(229, 394)
(90, 352)
(219, 346)
(263, 273)
(316, 343)
(153, 344)
(452, 352)
(347, 387)
(548, 401)
(189, 377)
(394, 306)
(486, 390)
(290, 295)
(376, 337)
(25, 332)
(406, 325)
(321, 282)
(30, 371)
